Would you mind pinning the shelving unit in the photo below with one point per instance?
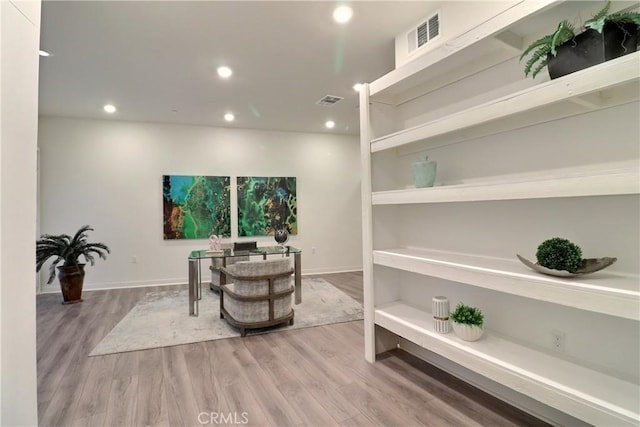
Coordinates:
(588, 387)
(595, 181)
(613, 83)
(588, 394)
(613, 294)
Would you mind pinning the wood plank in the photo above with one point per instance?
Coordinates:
(315, 381)
(123, 402)
(95, 393)
(151, 406)
(239, 397)
(209, 396)
(359, 420)
(276, 407)
(376, 406)
(306, 406)
(123, 395)
(181, 403)
(261, 350)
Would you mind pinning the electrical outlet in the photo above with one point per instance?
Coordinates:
(557, 341)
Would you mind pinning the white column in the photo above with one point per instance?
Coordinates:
(19, 37)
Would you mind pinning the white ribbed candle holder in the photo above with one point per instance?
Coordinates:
(440, 310)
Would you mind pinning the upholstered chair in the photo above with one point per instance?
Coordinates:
(241, 251)
(257, 294)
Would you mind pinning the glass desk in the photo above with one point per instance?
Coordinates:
(195, 273)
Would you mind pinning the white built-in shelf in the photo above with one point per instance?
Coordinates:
(584, 393)
(602, 292)
(597, 180)
(474, 50)
(605, 85)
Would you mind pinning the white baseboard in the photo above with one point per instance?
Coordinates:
(55, 287)
(312, 271)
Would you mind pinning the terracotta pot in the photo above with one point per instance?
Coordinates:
(71, 280)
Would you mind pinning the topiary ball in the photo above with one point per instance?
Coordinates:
(559, 254)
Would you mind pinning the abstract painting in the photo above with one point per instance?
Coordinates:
(195, 207)
(266, 204)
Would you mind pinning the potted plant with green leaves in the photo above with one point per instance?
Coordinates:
(68, 250)
(467, 322)
(561, 257)
(604, 37)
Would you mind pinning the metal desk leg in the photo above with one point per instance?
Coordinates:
(199, 275)
(298, 277)
(193, 287)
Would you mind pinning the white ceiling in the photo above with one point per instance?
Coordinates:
(156, 60)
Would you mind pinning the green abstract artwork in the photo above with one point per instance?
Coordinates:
(195, 207)
(266, 204)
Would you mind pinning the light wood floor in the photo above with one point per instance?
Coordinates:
(304, 377)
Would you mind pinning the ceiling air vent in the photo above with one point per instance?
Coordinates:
(424, 32)
(329, 100)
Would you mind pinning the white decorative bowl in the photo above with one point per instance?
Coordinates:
(467, 332)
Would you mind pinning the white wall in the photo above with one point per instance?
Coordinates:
(20, 35)
(109, 174)
(456, 17)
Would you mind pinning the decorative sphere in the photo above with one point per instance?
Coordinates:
(559, 254)
(281, 236)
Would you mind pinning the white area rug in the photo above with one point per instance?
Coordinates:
(161, 319)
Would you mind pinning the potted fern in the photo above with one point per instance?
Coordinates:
(62, 247)
(467, 322)
(604, 37)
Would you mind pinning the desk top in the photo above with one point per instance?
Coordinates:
(230, 253)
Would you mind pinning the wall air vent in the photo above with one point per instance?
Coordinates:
(423, 33)
(329, 100)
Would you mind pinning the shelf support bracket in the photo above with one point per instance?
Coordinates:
(592, 101)
(511, 40)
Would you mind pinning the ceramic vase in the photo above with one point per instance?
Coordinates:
(424, 172)
(440, 310)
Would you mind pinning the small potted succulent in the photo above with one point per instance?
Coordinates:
(604, 37)
(467, 322)
(65, 248)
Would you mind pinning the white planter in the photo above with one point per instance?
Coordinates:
(467, 332)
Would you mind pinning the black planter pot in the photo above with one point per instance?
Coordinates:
(591, 48)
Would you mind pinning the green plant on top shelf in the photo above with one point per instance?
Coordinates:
(546, 46)
(467, 315)
(602, 17)
(559, 254)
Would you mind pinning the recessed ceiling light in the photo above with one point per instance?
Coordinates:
(44, 53)
(109, 108)
(342, 14)
(330, 124)
(358, 87)
(224, 72)
(229, 117)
